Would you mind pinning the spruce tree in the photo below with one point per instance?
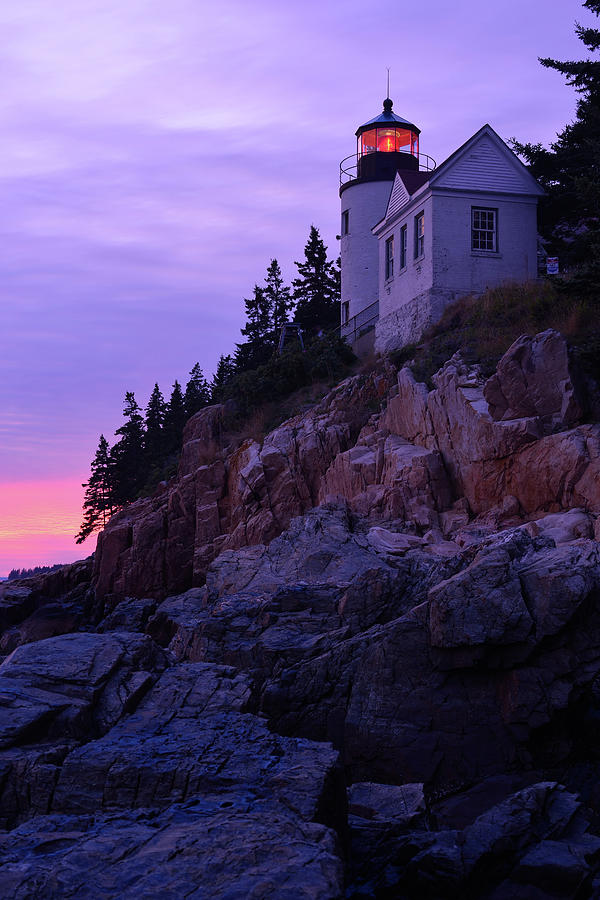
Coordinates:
(258, 346)
(175, 419)
(128, 456)
(98, 503)
(266, 311)
(225, 370)
(316, 291)
(278, 298)
(154, 438)
(197, 392)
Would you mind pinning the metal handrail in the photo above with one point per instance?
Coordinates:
(362, 322)
(349, 172)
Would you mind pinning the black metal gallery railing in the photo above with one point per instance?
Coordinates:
(349, 166)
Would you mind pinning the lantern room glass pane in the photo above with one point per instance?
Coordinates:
(368, 142)
(388, 140)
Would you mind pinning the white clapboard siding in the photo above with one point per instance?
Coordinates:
(485, 167)
(398, 197)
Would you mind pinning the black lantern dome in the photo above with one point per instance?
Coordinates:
(386, 145)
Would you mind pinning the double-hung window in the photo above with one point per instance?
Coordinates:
(389, 258)
(403, 246)
(419, 235)
(484, 229)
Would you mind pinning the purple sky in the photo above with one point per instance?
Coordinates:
(155, 157)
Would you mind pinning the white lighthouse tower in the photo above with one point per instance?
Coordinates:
(386, 145)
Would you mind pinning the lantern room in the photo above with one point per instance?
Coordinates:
(387, 144)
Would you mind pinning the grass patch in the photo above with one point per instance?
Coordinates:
(482, 328)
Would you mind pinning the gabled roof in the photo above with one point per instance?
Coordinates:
(414, 180)
(405, 185)
(485, 163)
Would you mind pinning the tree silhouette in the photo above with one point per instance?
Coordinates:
(98, 503)
(224, 372)
(175, 419)
(278, 298)
(316, 291)
(266, 311)
(128, 455)
(258, 346)
(154, 439)
(197, 392)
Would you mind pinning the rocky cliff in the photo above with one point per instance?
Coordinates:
(359, 658)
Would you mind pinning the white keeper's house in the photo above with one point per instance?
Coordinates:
(416, 237)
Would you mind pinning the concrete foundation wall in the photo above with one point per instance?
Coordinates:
(406, 325)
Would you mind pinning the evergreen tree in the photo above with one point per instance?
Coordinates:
(258, 315)
(279, 300)
(128, 455)
(258, 346)
(225, 370)
(154, 438)
(266, 311)
(175, 419)
(98, 503)
(197, 392)
(316, 290)
(570, 169)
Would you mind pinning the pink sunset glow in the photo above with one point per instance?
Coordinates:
(37, 523)
(155, 157)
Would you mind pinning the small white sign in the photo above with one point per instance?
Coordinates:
(552, 265)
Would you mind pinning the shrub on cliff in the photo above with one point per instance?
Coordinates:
(482, 328)
(326, 358)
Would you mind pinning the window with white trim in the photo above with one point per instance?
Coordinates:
(419, 235)
(484, 228)
(346, 221)
(389, 258)
(403, 246)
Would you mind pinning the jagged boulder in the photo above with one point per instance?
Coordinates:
(189, 789)
(410, 699)
(489, 460)
(386, 477)
(57, 692)
(536, 842)
(220, 847)
(534, 378)
(316, 584)
(44, 605)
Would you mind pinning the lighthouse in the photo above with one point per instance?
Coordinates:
(385, 145)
